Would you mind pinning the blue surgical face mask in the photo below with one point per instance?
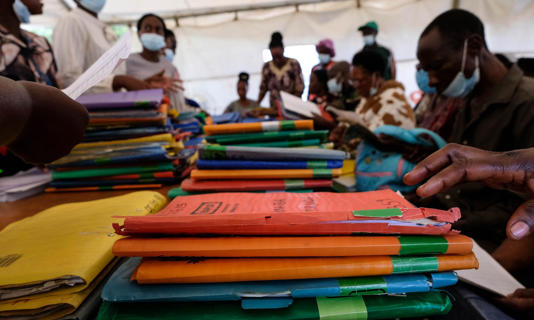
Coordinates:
(373, 90)
(169, 54)
(333, 86)
(93, 5)
(460, 86)
(369, 39)
(421, 77)
(324, 58)
(152, 41)
(22, 11)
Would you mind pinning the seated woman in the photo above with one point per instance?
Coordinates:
(280, 74)
(382, 102)
(243, 105)
(151, 66)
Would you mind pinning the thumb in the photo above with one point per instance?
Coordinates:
(521, 224)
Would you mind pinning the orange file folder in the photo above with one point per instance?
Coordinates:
(231, 128)
(265, 174)
(235, 247)
(284, 214)
(260, 269)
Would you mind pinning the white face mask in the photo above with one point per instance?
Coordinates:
(93, 5)
(169, 54)
(324, 58)
(460, 86)
(333, 86)
(373, 90)
(369, 39)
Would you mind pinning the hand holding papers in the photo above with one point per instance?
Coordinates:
(102, 68)
(300, 107)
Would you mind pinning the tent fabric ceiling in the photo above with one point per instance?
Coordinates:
(205, 41)
(130, 10)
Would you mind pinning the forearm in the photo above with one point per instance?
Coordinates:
(261, 96)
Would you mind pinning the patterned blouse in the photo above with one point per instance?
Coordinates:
(288, 79)
(388, 106)
(31, 59)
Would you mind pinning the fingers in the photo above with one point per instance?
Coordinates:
(521, 224)
(441, 159)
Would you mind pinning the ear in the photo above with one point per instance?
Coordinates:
(475, 45)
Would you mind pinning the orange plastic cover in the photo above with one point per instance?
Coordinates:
(343, 246)
(318, 213)
(259, 269)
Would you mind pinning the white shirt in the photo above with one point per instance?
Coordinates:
(140, 68)
(79, 39)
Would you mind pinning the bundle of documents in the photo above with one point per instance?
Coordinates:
(23, 184)
(368, 255)
(128, 145)
(264, 156)
(51, 262)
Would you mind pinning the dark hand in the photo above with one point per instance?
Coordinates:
(55, 125)
(522, 301)
(158, 80)
(513, 170)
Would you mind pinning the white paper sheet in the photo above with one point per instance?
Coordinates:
(102, 68)
(490, 275)
(299, 106)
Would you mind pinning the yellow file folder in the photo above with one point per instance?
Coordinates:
(63, 249)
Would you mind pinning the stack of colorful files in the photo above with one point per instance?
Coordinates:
(54, 263)
(287, 256)
(128, 145)
(263, 156)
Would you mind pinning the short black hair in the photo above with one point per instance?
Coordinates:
(148, 15)
(276, 40)
(457, 25)
(169, 33)
(370, 60)
(243, 77)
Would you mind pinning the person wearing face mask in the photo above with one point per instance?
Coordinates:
(341, 93)
(382, 102)
(23, 56)
(79, 39)
(170, 45)
(325, 51)
(280, 74)
(369, 32)
(152, 66)
(435, 112)
(498, 116)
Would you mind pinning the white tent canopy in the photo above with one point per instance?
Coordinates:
(213, 47)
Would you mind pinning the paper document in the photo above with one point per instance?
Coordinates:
(299, 106)
(23, 184)
(490, 275)
(102, 68)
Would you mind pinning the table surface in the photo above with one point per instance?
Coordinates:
(17, 210)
